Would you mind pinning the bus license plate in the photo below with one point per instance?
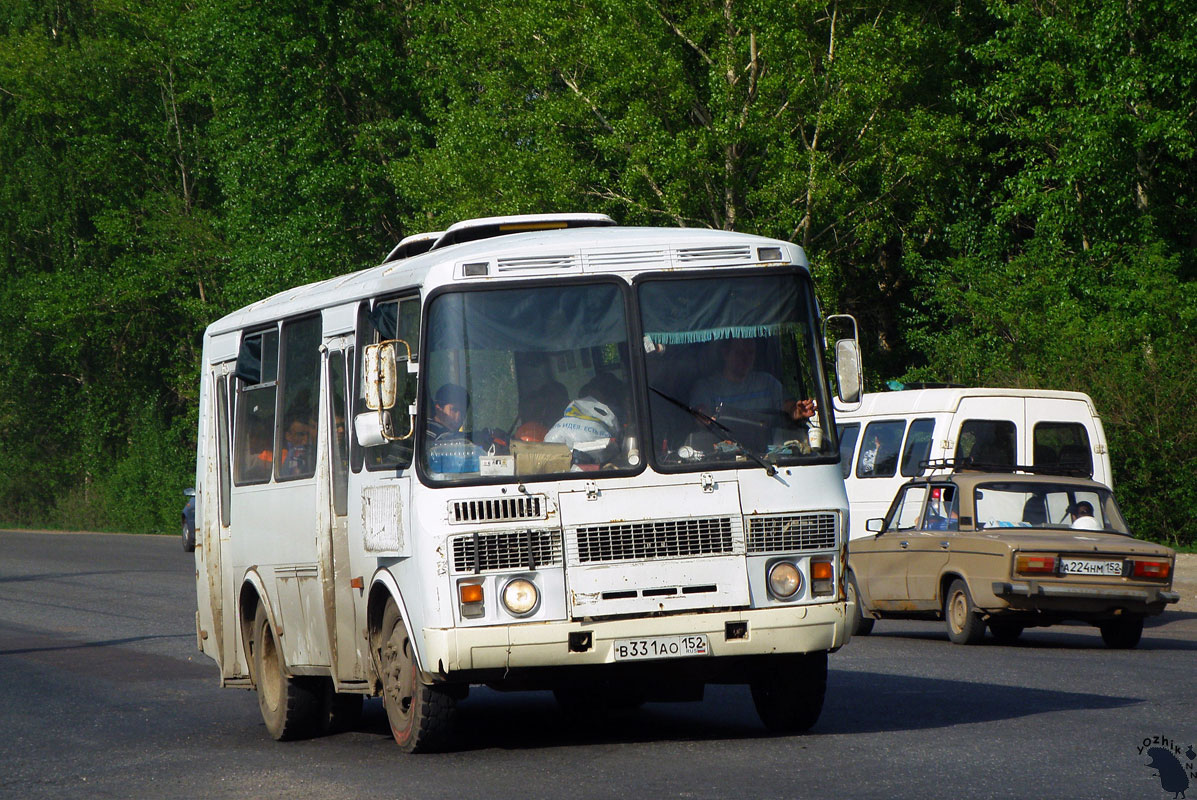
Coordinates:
(1082, 566)
(694, 644)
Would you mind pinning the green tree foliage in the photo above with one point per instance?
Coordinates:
(1000, 191)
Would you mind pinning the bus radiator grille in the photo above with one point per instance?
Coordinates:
(498, 509)
(637, 541)
(792, 533)
(506, 550)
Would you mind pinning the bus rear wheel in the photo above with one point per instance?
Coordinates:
(290, 706)
(421, 716)
(789, 691)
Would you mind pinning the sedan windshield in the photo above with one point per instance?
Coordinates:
(528, 382)
(1014, 504)
(733, 371)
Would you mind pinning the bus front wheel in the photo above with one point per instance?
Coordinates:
(290, 706)
(421, 716)
(789, 692)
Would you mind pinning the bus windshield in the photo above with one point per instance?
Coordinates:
(528, 381)
(732, 370)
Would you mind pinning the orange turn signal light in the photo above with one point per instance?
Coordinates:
(471, 592)
(820, 570)
(1033, 564)
(1152, 569)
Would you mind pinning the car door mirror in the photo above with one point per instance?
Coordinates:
(876, 525)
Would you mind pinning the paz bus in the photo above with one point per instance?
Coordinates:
(536, 452)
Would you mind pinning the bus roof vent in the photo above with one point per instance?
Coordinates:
(498, 509)
(552, 263)
(629, 259)
(488, 227)
(715, 255)
(413, 245)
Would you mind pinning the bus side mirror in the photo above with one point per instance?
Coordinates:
(384, 382)
(848, 377)
(849, 371)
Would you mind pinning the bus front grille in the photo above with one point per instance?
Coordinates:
(498, 509)
(654, 539)
(792, 533)
(506, 550)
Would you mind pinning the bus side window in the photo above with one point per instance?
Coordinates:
(339, 427)
(295, 450)
(222, 446)
(987, 442)
(256, 388)
(1062, 444)
(847, 435)
(918, 447)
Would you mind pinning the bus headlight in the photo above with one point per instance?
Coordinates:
(520, 596)
(784, 580)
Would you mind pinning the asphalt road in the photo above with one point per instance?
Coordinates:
(103, 694)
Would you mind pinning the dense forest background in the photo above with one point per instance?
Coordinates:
(1001, 191)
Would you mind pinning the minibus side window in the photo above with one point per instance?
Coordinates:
(918, 447)
(847, 435)
(879, 449)
(987, 442)
(1062, 444)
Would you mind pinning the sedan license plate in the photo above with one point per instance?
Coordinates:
(694, 644)
(1084, 566)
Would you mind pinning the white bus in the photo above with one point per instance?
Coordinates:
(531, 453)
(886, 437)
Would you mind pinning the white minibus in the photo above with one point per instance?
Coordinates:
(885, 438)
(531, 453)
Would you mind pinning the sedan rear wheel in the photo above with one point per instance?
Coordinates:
(964, 624)
(1123, 633)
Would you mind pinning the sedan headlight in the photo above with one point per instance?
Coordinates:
(784, 580)
(520, 596)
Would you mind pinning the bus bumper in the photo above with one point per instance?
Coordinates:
(795, 629)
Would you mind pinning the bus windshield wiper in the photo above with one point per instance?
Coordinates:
(719, 429)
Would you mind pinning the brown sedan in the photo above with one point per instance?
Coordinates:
(1008, 550)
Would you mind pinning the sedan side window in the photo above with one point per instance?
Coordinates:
(909, 509)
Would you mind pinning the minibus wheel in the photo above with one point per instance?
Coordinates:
(290, 706)
(421, 716)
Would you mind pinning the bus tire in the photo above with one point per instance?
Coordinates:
(421, 716)
(789, 691)
(290, 706)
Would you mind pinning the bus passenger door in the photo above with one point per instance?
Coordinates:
(339, 593)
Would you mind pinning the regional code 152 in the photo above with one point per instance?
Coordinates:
(661, 647)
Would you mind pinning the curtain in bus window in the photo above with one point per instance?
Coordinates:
(681, 312)
(551, 319)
